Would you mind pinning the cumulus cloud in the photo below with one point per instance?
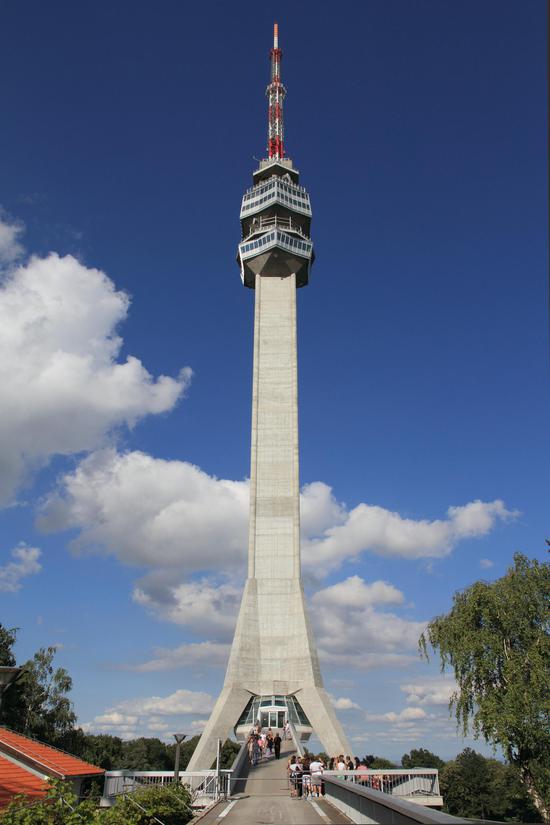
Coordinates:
(134, 717)
(370, 527)
(10, 248)
(435, 691)
(343, 703)
(64, 388)
(354, 629)
(150, 511)
(197, 522)
(405, 715)
(485, 564)
(25, 563)
(180, 702)
(352, 624)
(210, 654)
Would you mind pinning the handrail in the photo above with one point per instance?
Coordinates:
(276, 222)
(295, 739)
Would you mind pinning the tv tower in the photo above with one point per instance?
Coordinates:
(273, 672)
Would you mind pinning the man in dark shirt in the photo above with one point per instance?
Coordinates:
(277, 745)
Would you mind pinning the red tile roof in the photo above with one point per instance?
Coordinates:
(16, 780)
(43, 757)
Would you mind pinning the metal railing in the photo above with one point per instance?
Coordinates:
(296, 739)
(205, 787)
(263, 224)
(416, 783)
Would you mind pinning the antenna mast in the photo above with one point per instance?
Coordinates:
(276, 94)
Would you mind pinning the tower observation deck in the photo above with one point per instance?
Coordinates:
(273, 672)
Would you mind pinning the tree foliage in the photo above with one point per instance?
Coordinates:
(421, 758)
(38, 704)
(496, 638)
(476, 787)
(171, 805)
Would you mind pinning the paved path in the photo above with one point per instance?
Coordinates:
(266, 801)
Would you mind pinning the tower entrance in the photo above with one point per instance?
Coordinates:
(273, 712)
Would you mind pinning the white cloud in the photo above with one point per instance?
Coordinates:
(369, 527)
(172, 514)
(116, 719)
(150, 511)
(208, 607)
(10, 248)
(343, 703)
(485, 564)
(135, 717)
(356, 592)
(209, 654)
(63, 388)
(405, 715)
(180, 702)
(352, 626)
(435, 691)
(198, 725)
(25, 563)
(353, 632)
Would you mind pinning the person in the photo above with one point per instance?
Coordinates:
(316, 767)
(277, 745)
(306, 778)
(294, 768)
(287, 734)
(289, 762)
(256, 751)
(362, 773)
(269, 741)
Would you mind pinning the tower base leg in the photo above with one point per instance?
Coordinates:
(318, 709)
(227, 710)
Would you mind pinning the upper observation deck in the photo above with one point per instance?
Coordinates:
(275, 190)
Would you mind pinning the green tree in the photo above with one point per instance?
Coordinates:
(171, 804)
(474, 786)
(379, 762)
(37, 704)
(421, 758)
(60, 807)
(496, 638)
(49, 712)
(466, 787)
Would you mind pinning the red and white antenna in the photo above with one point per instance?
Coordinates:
(276, 94)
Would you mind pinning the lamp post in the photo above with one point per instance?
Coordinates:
(8, 675)
(179, 737)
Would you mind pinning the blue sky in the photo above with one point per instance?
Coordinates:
(129, 134)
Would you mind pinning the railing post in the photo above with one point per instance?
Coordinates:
(218, 769)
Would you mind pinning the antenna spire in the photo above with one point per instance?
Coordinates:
(276, 94)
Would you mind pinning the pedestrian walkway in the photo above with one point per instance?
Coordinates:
(266, 800)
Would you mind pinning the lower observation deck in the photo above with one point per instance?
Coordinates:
(275, 247)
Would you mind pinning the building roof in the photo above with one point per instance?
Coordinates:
(16, 780)
(43, 758)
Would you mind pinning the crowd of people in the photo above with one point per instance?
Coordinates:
(305, 773)
(264, 744)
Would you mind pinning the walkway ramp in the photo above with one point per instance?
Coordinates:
(266, 800)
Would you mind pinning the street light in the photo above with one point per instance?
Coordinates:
(8, 675)
(179, 737)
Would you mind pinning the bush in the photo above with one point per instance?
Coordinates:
(171, 804)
